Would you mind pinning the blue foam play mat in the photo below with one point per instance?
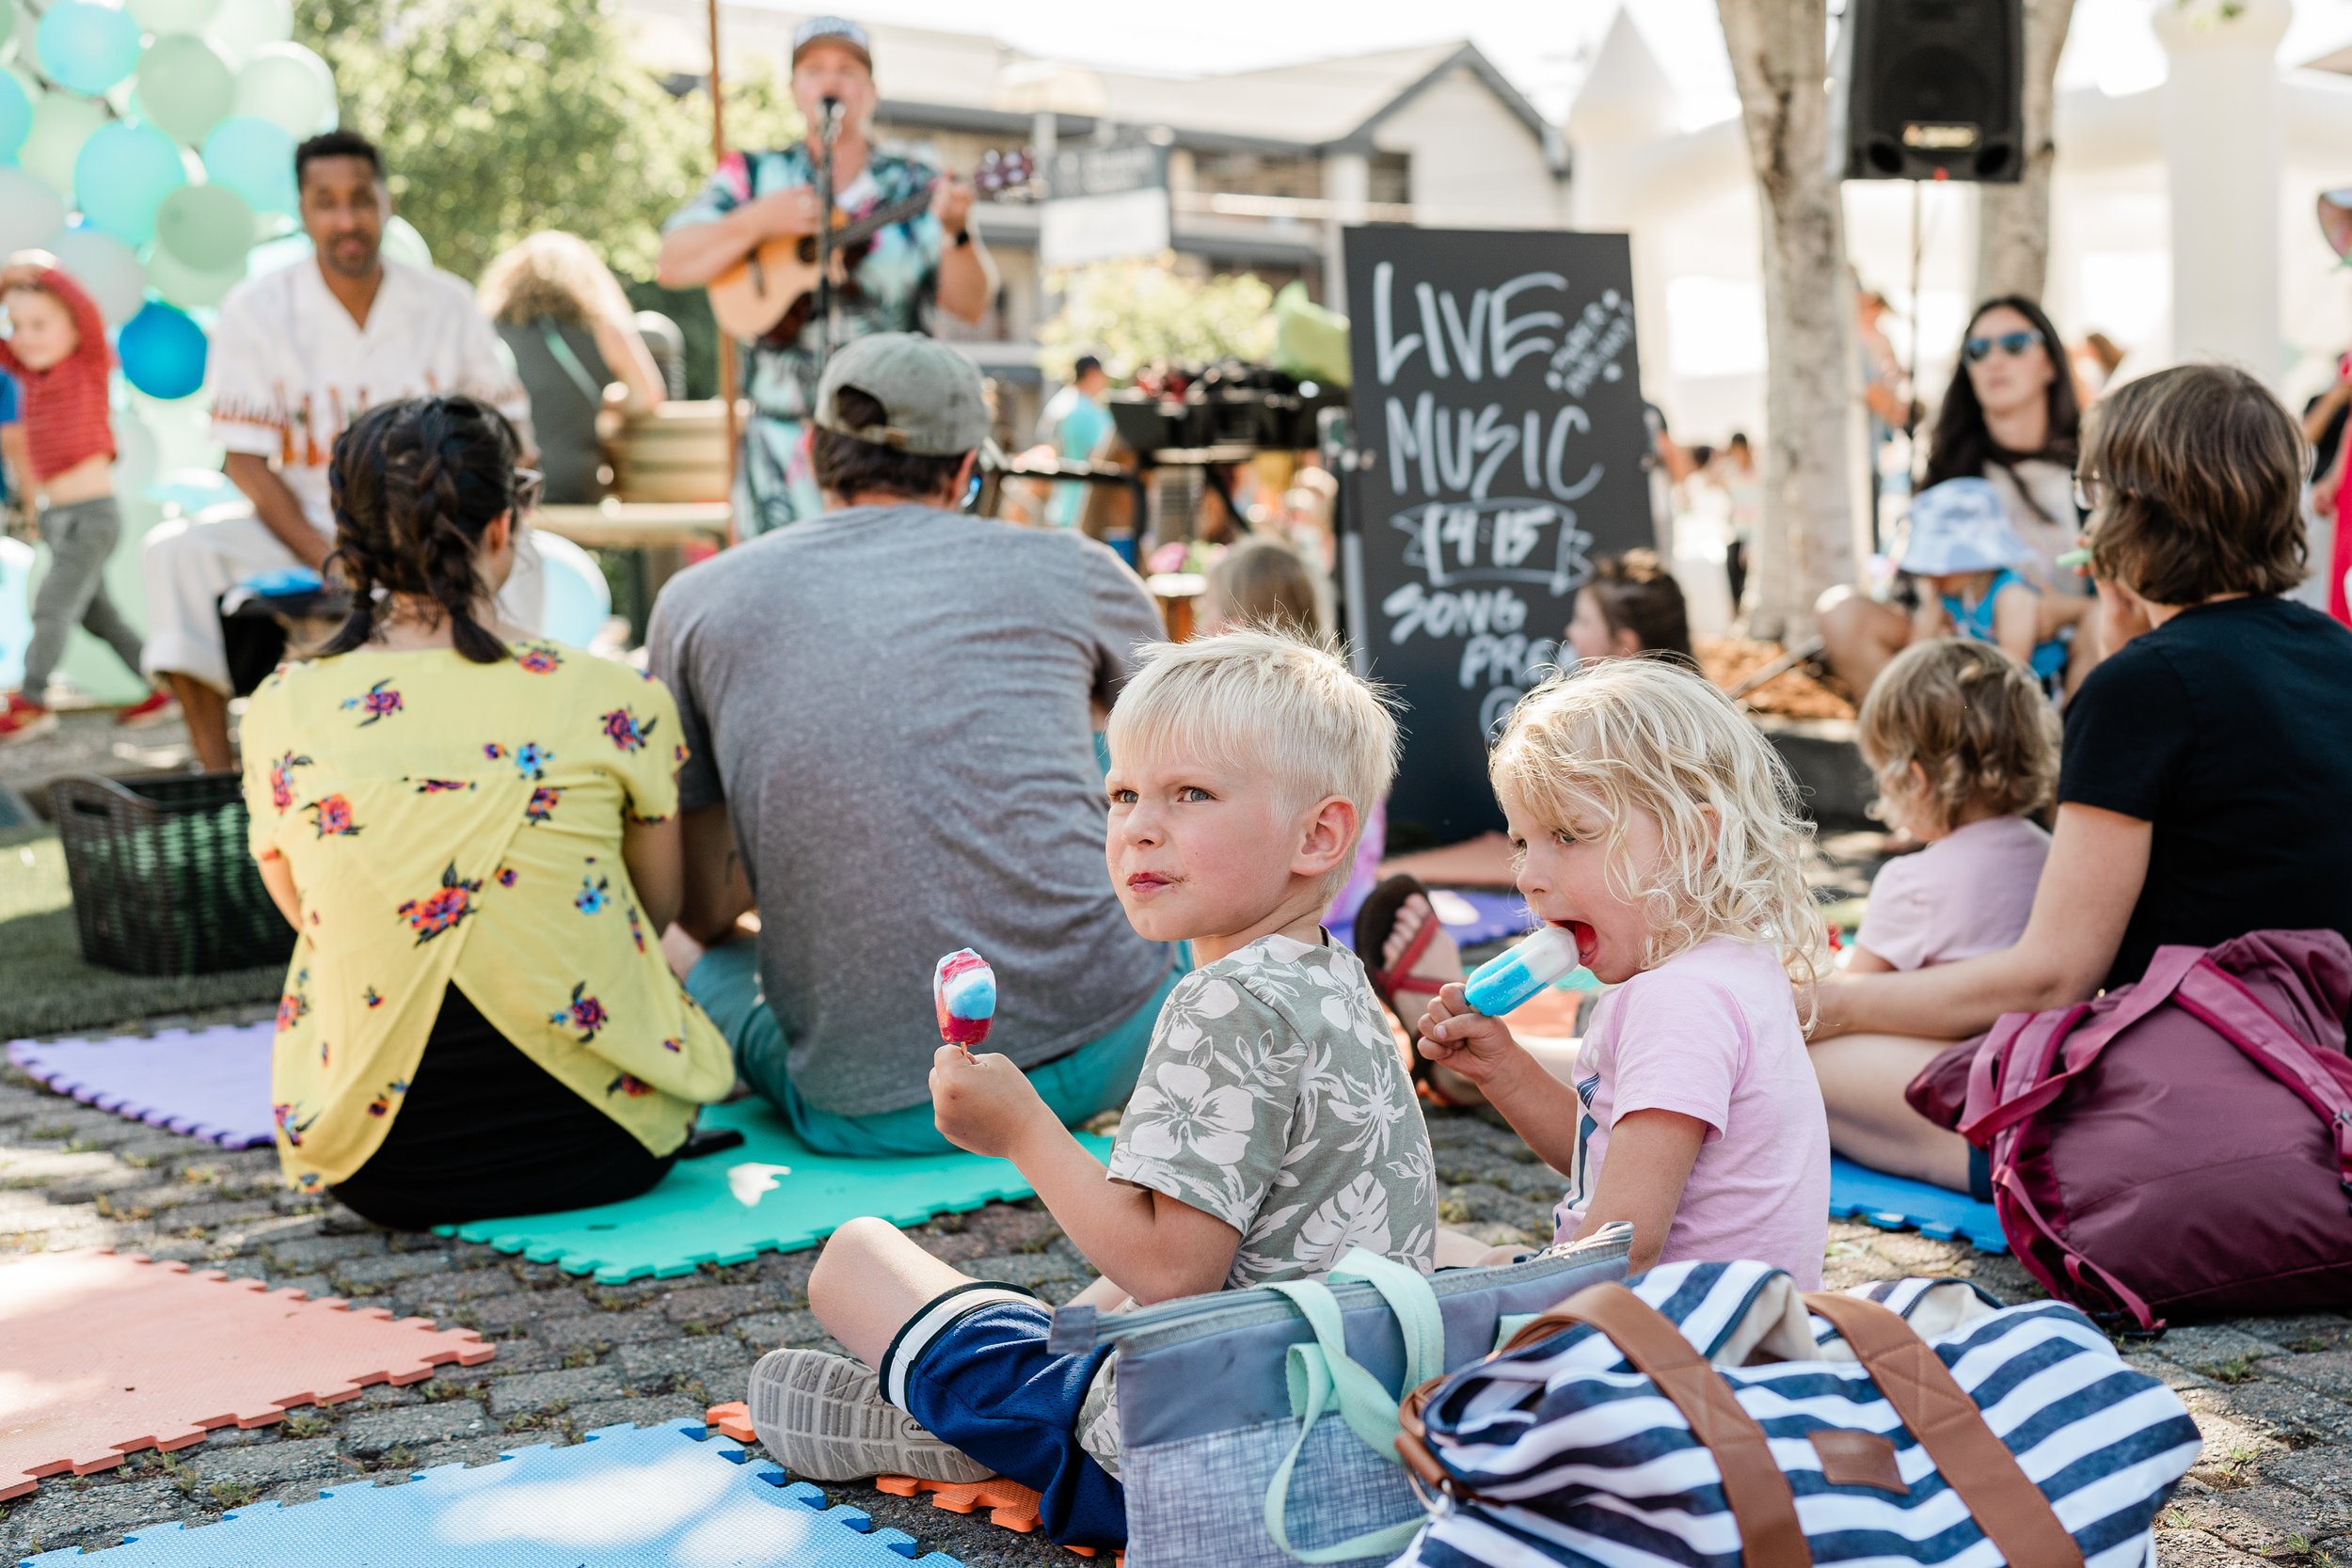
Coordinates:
(1899, 1203)
(666, 1497)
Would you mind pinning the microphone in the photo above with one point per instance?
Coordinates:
(831, 110)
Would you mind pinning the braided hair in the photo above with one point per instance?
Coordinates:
(414, 486)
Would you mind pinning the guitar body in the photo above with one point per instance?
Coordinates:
(770, 293)
(754, 296)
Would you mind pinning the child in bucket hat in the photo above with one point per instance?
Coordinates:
(1963, 550)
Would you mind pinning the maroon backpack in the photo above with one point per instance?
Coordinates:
(2181, 1147)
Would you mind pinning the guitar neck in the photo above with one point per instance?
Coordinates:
(868, 223)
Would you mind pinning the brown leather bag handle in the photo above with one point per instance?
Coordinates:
(1761, 1504)
(2008, 1506)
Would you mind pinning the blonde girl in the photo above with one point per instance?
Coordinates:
(1654, 823)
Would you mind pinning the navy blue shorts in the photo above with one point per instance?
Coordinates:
(972, 1366)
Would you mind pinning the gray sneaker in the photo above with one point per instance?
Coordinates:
(824, 1418)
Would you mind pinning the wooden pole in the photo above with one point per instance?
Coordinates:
(727, 344)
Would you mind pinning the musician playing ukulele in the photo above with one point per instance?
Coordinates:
(881, 281)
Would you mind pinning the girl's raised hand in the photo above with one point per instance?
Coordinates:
(1457, 1034)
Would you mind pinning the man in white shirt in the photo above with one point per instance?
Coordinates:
(299, 353)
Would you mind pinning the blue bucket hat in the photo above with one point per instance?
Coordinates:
(1960, 526)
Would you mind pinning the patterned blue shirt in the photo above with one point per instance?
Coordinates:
(886, 290)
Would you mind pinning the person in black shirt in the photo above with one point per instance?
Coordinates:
(2207, 763)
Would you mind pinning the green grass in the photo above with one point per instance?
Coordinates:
(46, 988)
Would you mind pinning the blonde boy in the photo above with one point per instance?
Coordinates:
(1273, 1128)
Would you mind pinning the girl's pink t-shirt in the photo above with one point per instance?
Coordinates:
(1712, 1034)
(1970, 892)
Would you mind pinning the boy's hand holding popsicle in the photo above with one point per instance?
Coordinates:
(981, 1103)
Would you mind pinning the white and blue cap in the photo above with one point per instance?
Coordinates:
(838, 31)
(1960, 526)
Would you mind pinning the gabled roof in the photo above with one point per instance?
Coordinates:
(970, 79)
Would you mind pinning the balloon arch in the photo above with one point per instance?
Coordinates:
(149, 144)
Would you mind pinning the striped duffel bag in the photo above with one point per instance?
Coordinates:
(1710, 1413)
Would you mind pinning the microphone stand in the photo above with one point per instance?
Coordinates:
(829, 130)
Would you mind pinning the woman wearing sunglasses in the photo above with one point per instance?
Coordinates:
(473, 833)
(2009, 418)
(2202, 782)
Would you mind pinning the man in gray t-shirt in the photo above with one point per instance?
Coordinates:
(887, 711)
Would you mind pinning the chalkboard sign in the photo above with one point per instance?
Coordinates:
(1498, 418)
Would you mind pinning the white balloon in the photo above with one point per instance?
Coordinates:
(105, 267)
(62, 124)
(401, 243)
(30, 211)
(276, 254)
(136, 455)
(242, 26)
(289, 85)
(186, 287)
(173, 16)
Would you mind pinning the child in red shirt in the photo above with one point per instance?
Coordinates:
(56, 349)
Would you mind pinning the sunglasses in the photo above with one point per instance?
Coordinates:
(530, 484)
(2011, 344)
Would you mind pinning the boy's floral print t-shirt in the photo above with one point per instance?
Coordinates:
(1274, 1096)
(452, 823)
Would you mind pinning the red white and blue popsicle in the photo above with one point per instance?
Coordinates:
(963, 990)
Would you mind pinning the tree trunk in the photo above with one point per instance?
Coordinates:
(2013, 221)
(1806, 540)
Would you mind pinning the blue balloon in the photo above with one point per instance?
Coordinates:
(122, 176)
(16, 115)
(86, 48)
(162, 351)
(255, 159)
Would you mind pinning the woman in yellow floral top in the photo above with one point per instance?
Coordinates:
(473, 833)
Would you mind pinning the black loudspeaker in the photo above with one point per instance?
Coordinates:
(1929, 89)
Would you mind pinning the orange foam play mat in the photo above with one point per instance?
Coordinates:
(103, 1353)
(1010, 1505)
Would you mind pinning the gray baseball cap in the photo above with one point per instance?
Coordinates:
(834, 30)
(933, 405)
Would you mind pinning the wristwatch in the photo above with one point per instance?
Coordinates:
(964, 237)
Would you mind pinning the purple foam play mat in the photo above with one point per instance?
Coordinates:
(211, 1084)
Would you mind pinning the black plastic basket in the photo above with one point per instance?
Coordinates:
(162, 879)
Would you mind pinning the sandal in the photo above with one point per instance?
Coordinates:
(1375, 921)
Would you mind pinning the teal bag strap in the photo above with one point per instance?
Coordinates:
(1319, 1373)
(568, 362)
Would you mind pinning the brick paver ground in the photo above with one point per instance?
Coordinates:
(2273, 1396)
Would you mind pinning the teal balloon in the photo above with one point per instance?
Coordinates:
(16, 115)
(186, 86)
(173, 16)
(122, 175)
(205, 228)
(255, 159)
(162, 351)
(86, 48)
